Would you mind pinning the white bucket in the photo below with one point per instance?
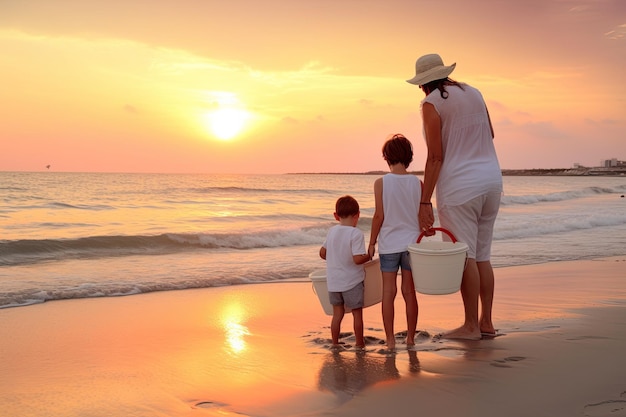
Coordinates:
(373, 286)
(438, 266)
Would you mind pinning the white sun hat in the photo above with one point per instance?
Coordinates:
(430, 68)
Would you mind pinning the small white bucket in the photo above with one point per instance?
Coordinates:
(373, 286)
(438, 266)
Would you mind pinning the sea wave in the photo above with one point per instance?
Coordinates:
(560, 196)
(252, 190)
(31, 251)
(59, 205)
(36, 294)
(551, 227)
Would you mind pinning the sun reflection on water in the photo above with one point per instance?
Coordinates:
(232, 319)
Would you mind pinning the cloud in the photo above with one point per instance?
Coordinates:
(602, 122)
(546, 130)
(580, 8)
(290, 120)
(619, 33)
(129, 108)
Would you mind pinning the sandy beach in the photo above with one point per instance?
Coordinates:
(263, 350)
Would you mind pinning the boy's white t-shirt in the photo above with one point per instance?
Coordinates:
(342, 243)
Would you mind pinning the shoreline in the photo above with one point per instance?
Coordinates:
(262, 350)
(534, 172)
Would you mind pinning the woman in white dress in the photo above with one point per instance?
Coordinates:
(462, 168)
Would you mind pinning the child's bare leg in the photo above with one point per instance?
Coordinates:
(388, 310)
(357, 315)
(410, 299)
(335, 324)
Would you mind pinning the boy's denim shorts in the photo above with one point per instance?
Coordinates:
(391, 262)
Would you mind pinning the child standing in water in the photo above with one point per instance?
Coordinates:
(395, 225)
(345, 254)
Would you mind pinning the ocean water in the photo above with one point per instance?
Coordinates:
(81, 235)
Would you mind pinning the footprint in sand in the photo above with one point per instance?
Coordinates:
(218, 406)
(588, 337)
(506, 362)
(611, 408)
(209, 404)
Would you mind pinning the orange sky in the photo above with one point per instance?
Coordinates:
(132, 86)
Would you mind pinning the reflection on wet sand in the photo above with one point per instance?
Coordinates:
(345, 373)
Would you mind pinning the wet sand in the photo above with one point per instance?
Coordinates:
(263, 350)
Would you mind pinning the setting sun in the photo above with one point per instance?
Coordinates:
(226, 123)
(160, 90)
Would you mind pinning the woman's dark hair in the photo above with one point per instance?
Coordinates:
(398, 149)
(346, 206)
(441, 86)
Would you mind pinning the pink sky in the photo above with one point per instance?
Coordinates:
(314, 86)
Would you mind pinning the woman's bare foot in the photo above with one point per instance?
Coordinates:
(487, 327)
(462, 333)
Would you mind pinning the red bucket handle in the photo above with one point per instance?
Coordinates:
(441, 229)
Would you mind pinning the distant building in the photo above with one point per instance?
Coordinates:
(611, 163)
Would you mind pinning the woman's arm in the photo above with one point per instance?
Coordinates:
(432, 131)
(490, 125)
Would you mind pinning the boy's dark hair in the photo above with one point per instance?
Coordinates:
(398, 149)
(346, 206)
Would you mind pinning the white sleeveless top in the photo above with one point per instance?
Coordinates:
(470, 165)
(401, 201)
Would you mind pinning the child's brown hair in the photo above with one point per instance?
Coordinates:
(346, 206)
(398, 149)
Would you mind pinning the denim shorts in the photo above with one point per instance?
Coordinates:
(391, 262)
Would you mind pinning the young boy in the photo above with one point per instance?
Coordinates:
(395, 225)
(345, 254)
